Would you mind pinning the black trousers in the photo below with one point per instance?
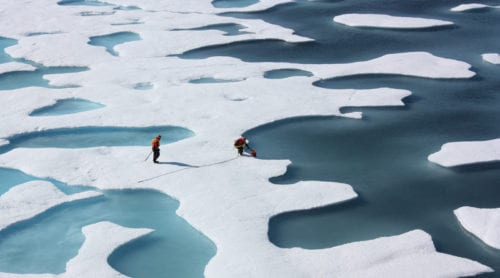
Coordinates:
(156, 153)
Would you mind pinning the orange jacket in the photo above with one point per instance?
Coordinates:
(155, 143)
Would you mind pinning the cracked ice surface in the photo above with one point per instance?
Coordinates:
(231, 208)
(388, 21)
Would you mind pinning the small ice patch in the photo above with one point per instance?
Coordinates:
(462, 153)
(469, 7)
(388, 21)
(483, 223)
(493, 58)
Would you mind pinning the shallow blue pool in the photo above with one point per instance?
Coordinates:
(45, 243)
(87, 137)
(66, 106)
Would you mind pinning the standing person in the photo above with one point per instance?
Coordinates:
(155, 145)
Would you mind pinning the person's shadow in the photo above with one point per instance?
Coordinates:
(177, 164)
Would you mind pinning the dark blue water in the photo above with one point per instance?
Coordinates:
(384, 156)
(285, 73)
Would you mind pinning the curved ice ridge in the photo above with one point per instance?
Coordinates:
(388, 21)
(483, 223)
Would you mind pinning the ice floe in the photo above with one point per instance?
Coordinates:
(470, 152)
(493, 58)
(483, 223)
(388, 21)
(471, 6)
(27, 200)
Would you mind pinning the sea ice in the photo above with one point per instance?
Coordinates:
(471, 6)
(462, 153)
(388, 21)
(230, 206)
(493, 58)
(483, 223)
(14, 67)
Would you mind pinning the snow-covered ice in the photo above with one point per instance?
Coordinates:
(231, 208)
(15, 67)
(493, 58)
(470, 152)
(27, 200)
(388, 21)
(483, 223)
(471, 6)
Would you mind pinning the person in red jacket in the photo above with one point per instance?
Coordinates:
(155, 145)
(241, 143)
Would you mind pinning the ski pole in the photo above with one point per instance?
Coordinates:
(148, 155)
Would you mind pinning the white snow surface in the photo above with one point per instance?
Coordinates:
(29, 199)
(14, 67)
(493, 58)
(230, 206)
(467, 152)
(388, 21)
(471, 6)
(483, 223)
